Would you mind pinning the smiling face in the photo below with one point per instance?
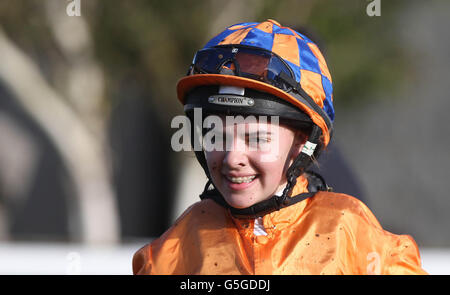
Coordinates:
(252, 164)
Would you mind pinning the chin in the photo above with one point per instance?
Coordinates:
(240, 202)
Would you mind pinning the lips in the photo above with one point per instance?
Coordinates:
(239, 182)
(241, 179)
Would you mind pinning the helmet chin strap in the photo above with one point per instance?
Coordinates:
(275, 203)
(302, 162)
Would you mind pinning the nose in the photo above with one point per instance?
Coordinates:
(236, 156)
(235, 159)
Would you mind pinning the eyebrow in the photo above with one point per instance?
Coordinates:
(246, 133)
(260, 132)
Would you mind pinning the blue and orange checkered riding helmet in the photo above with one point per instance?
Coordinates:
(263, 69)
(270, 58)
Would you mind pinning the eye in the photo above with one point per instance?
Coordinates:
(257, 140)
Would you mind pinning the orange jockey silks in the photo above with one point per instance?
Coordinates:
(329, 233)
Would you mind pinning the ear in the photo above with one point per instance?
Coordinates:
(299, 141)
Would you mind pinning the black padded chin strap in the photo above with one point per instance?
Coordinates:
(275, 203)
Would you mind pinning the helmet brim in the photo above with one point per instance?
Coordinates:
(188, 83)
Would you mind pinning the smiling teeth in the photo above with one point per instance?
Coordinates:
(245, 179)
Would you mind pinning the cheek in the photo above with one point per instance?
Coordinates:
(270, 165)
(213, 159)
(274, 160)
(275, 170)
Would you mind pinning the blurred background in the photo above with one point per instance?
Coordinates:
(87, 95)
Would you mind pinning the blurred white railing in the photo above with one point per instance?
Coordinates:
(61, 259)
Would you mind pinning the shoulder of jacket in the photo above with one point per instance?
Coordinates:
(338, 201)
(375, 250)
(344, 206)
(204, 208)
(141, 262)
